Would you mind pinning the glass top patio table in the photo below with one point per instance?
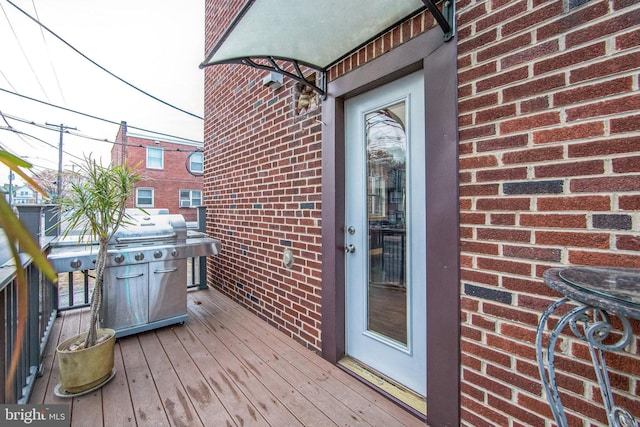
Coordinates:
(610, 288)
(594, 295)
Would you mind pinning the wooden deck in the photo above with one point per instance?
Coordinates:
(223, 367)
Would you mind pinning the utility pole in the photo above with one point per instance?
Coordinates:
(11, 176)
(123, 156)
(63, 128)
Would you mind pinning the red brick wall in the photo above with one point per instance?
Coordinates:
(262, 190)
(549, 176)
(166, 182)
(383, 44)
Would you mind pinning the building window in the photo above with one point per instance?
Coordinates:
(144, 197)
(196, 163)
(190, 198)
(155, 158)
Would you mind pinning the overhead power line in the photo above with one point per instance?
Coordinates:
(18, 132)
(100, 66)
(35, 165)
(98, 118)
(19, 135)
(5, 119)
(33, 71)
(53, 68)
(80, 135)
(7, 79)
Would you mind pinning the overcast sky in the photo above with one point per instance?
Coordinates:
(156, 45)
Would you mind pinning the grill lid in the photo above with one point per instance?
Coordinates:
(151, 228)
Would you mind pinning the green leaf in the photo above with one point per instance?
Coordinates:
(12, 161)
(15, 163)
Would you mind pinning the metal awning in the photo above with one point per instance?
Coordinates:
(269, 34)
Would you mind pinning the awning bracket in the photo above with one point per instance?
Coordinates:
(298, 76)
(446, 18)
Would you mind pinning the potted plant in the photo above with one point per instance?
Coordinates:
(95, 208)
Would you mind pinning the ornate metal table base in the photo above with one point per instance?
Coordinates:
(592, 325)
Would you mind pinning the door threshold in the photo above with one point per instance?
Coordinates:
(384, 383)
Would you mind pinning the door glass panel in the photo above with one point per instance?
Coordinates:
(386, 199)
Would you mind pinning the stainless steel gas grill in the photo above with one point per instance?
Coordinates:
(145, 282)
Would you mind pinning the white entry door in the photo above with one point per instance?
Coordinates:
(385, 229)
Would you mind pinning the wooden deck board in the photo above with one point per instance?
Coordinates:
(206, 404)
(116, 399)
(173, 395)
(40, 387)
(332, 379)
(286, 376)
(146, 402)
(300, 407)
(222, 347)
(223, 367)
(216, 384)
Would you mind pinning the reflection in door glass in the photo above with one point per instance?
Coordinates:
(386, 194)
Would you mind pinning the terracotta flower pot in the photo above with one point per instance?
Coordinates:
(82, 370)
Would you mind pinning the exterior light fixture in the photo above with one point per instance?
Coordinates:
(273, 80)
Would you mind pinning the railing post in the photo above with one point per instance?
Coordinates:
(202, 226)
(31, 216)
(51, 227)
(33, 324)
(42, 300)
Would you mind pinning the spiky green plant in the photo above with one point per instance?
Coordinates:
(96, 207)
(19, 238)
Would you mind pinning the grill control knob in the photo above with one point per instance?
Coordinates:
(76, 263)
(174, 252)
(139, 256)
(118, 258)
(157, 254)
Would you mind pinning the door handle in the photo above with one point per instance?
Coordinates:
(350, 249)
(130, 276)
(168, 270)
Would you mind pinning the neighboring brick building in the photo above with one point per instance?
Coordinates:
(532, 161)
(172, 170)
